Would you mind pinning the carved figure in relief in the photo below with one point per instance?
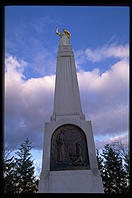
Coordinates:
(64, 36)
(60, 147)
(69, 149)
(79, 159)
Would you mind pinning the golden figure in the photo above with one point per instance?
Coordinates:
(64, 36)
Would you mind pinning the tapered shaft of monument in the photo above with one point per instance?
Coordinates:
(67, 97)
(69, 155)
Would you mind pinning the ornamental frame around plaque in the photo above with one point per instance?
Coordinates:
(69, 150)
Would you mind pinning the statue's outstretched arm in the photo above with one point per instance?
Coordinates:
(57, 32)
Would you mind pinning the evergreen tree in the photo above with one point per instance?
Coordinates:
(126, 165)
(114, 174)
(8, 171)
(123, 151)
(100, 162)
(24, 175)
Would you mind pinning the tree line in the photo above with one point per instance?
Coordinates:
(19, 170)
(113, 164)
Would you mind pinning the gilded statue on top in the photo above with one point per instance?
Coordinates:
(64, 36)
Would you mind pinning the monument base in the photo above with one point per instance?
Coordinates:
(70, 181)
(86, 178)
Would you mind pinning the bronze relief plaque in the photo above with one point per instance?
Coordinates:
(68, 149)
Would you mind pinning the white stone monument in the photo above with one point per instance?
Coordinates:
(69, 162)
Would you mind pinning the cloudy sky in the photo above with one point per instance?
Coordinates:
(100, 41)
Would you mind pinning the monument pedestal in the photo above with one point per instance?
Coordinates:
(69, 181)
(53, 179)
(69, 162)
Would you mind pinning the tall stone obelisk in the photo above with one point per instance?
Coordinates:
(69, 162)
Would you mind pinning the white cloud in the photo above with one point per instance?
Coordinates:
(103, 140)
(123, 138)
(42, 61)
(15, 68)
(29, 103)
(105, 98)
(102, 53)
(109, 84)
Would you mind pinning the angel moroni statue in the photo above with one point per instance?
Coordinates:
(64, 36)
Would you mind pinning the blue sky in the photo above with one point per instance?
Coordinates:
(100, 41)
(33, 27)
